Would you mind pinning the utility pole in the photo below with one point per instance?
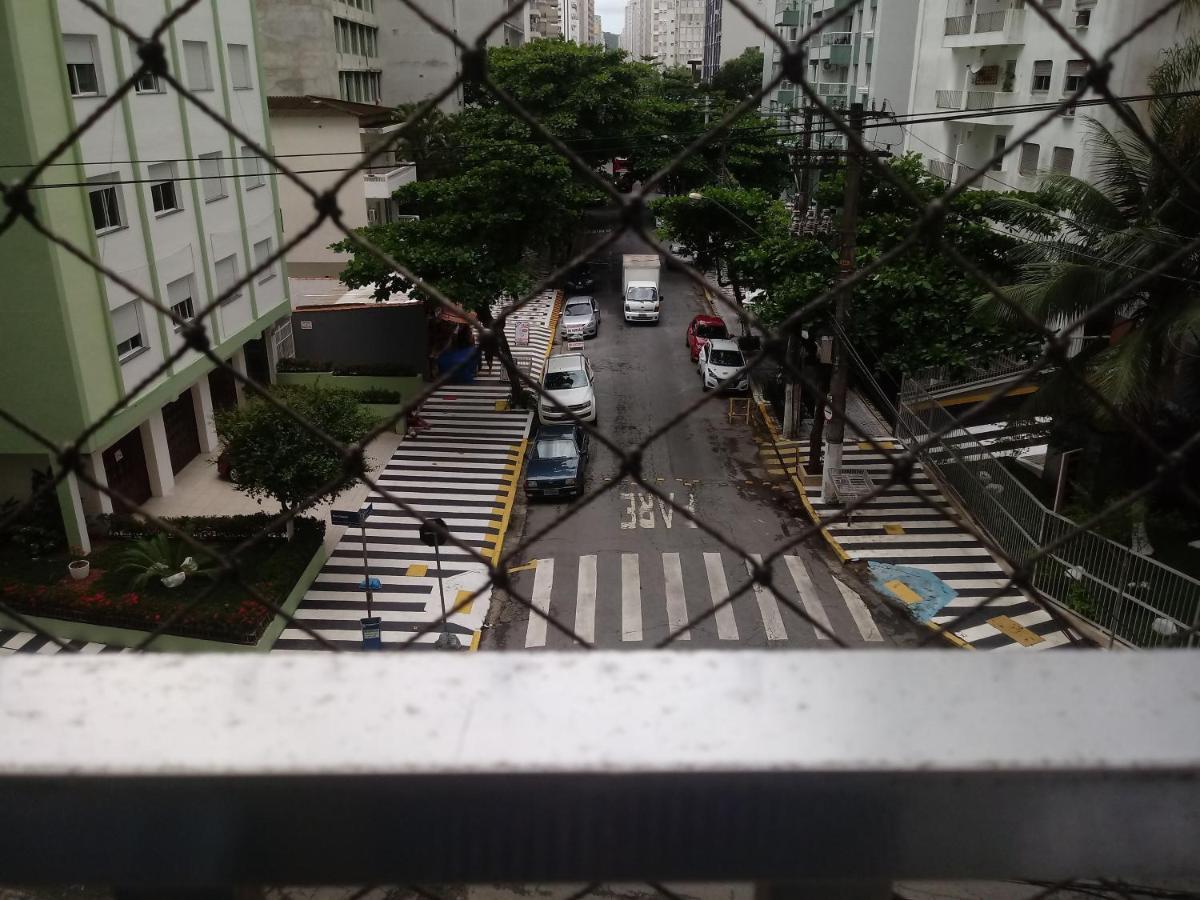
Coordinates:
(841, 366)
(792, 414)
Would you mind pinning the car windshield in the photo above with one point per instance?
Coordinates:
(555, 448)
(564, 381)
(731, 358)
(579, 309)
(642, 293)
(711, 331)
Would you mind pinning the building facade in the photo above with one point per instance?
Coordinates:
(544, 19)
(729, 32)
(165, 198)
(996, 54)
(322, 48)
(418, 62)
(677, 32)
(866, 55)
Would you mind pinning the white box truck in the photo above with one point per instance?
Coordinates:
(641, 295)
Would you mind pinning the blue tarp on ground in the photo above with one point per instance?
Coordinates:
(934, 592)
(451, 358)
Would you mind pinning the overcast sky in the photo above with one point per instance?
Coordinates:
(612, 12)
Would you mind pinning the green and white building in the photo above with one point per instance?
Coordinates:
(161, 195)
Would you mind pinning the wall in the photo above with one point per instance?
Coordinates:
(385, 334)
(332, 133)
(299, 55)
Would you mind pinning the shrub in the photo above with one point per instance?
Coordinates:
(203, 528)
(377, 395)
(291, 364)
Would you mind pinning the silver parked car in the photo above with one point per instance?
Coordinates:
(581, 317)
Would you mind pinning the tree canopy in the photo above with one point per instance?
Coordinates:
(739, 77)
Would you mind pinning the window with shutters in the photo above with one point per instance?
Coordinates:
(239, 67)
(164, 195)
(1076, 72)
(212, 174)
(1061, 161)
(181, 295)
(227, 276)
(1029, 159)
(104, 197)
(197, 65)
(252, 169)
(1043, 69)
(127, 330)
(83, 65)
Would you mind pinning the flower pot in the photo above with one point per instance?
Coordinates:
(79, 569)
(174, 581)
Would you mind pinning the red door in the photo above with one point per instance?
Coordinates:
(125, 469)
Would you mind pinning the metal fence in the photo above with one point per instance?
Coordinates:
(1129, 596)
(1040, 551)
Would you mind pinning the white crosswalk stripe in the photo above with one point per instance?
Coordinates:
(582, 593)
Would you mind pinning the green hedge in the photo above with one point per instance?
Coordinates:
(371, 369)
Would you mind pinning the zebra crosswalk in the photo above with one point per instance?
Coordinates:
(27, 642)
(916, 526)
(463, 469)
(619, 599)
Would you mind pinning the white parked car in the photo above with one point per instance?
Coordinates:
(720, 361)
(568, 380)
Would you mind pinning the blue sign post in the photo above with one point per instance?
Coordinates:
(372, 638)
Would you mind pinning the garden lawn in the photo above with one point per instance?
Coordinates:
(227, 612)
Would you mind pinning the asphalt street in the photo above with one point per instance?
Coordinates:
(625, 570)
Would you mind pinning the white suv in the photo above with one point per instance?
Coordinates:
(720, 363)
(568, 380)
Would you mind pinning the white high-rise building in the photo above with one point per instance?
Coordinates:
(992, 54)
(677, 32)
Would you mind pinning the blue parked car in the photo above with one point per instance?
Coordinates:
(558, 462)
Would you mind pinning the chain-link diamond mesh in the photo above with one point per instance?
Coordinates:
(926, 230)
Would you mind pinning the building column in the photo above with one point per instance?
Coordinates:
(96, 503)
(238, 362)
(71, 505)
(202, 405)
(158, 455)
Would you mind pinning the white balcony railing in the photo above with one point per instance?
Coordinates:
(940, 168)
(836, 38)
(380, 183)
(1003, 22)
(969, 100)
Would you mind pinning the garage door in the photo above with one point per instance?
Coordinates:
(125, 469)
(183, 437)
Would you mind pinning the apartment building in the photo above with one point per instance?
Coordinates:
(165, 198)
(323, 48)
(990, 56)
(544, 19)
(418, 61)
(729, 32)
(864, 55)
(677, 32)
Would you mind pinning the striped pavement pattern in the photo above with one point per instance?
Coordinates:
(27, 642)
(462, 469)
(614, 599)
(902, 527)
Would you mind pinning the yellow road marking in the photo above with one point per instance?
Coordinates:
(878, 445)
(501, 406)
(893, 528)
(528, 567)
(1016, 631)
(467, 601)
(417, 570)
(475, 638)
(903, 591)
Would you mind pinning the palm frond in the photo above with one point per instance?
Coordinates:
(1121, 166)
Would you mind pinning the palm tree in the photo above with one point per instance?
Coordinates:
(1132, 216)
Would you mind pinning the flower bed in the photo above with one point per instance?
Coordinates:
(42, 587)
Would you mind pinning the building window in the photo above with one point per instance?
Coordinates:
(262, 253)
(1076, 72)
(105, 200)
(127, 330)
(998, 148)
(1083, 18)
(212, 174)
(1042, 70)
(227, 276)
(252, 169)
(195, 61)
(181, 296)
(147, 82)
(239, 67)
(1029, 159)
(163, 194)
(1060, 162)
(83, 67)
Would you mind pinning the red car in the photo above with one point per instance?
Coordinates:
(702, 330)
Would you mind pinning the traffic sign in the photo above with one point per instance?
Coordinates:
(522, 335)
(344, 517)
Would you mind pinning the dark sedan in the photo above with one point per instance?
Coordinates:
(558, 462)
(580, 281)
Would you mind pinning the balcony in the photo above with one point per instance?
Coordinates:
(380, 182)
(835, 47)
(787, 12)
(979, 100)
(985, 29)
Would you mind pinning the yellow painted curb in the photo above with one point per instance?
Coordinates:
(838, 550)
(506, 500)
(476, 636)
(950, 636)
